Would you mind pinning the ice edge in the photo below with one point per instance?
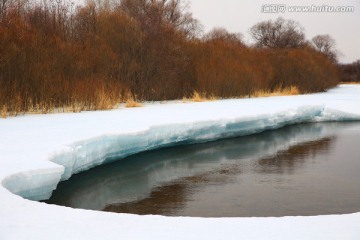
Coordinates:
(83, 155)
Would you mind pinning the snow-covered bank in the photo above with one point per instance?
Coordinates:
(38, 151)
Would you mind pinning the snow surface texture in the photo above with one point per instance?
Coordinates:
(38, 151)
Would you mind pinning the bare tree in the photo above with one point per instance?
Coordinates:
(280, 33)
(154, 15)
(221, 34)
(326, 45)
(5, 5)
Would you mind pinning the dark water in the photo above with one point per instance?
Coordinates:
(310, 169)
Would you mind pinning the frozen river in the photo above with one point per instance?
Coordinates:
(307, 169)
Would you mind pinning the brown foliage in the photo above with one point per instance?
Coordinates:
(307, 69)
(55, 57)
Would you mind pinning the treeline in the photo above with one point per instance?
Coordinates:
(350, 72)
(57, 55)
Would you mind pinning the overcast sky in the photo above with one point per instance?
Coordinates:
(240, 15)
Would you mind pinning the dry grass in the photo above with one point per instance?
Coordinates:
(213, 98)
(293, 90)
(131, 102)
(105, 101)
(199, 97)
(350, 82)
(75, 107)
(102, 101)
(39, 108)
(4, 112)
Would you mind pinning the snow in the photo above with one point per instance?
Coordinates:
(37, 151)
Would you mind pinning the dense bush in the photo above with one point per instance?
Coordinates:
(53, 55)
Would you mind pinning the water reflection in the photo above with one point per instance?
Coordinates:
(293, 158)
(275, 173)
(171, 198)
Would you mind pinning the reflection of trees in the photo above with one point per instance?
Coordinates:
(162, 201)
(166, 200)
(171, 198)
(287, 161)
